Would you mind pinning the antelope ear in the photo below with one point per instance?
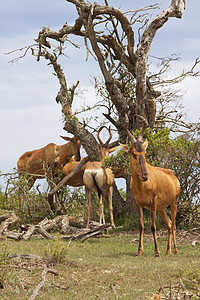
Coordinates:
(113, 149)
(145, 144)
(125, 148)
(65, 138)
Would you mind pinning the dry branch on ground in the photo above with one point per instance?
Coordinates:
(73, 226)
(176, 290)
(42, 282)
(6, 221)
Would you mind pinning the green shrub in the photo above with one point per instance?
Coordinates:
(56, 251)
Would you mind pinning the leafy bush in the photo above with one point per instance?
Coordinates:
(34, 202)
(181, 154)
(56, 251)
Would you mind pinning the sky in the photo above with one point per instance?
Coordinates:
(30, 118)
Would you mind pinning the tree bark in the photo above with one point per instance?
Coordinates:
(133, 63)
(118, 203)
(145, 103)
(64, 181)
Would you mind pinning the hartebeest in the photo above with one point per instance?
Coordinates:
(153, 188)
(99, 179)
(77, 179)
(36, 163)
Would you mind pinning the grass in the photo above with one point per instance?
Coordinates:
(96, 269)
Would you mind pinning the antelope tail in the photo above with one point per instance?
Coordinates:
(99, 190)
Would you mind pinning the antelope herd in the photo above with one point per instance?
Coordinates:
(153, 188)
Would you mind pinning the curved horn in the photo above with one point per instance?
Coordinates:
(130, 136)
(144, 125)
(108, 140)
(105, 145)
(98, 132)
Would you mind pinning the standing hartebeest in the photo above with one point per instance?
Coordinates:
(76, 180)
(36, 163)
(100, 179)
(153, 188)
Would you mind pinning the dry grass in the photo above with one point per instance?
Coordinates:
(99, 268)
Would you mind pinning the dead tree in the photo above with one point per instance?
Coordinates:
(109, 36)
(112, 39)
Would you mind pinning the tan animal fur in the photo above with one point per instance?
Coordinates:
(77, 179)
(153, 188)
(99, 179)
(37, 163)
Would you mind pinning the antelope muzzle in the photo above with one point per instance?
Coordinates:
(145, 177)
(144, 173)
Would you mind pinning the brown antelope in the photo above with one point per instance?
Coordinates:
(99, 179)
(36, 163)
(153, 188)
(77, 179)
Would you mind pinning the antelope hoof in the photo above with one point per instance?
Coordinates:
(157, 254)
(175, 251)
(139, 253)
(168, 252)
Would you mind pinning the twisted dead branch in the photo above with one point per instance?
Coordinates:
(176, 291)
(42, 282)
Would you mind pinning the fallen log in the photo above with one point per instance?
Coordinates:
(25, 256)
(78, 222)
(14, 235)
(29, 233)
(42, 228)
(5, 216)
(81, 222)
(36, 229)
(44, 233)
(9, 220)
(88, 234)
(66, 224)
(47, 224)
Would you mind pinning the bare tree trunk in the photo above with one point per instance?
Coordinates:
(123, 207)
(109, 49)
(130, 206)
(134, 61)
(118, 203)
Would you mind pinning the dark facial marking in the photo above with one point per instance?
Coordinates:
(138, 147)
(140, 153)
(144, 172)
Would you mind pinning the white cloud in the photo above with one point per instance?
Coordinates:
(191, 98)
(190, 45)
(28, 129)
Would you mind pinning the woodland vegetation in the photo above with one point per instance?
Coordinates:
(120, 43)
(106, 268)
